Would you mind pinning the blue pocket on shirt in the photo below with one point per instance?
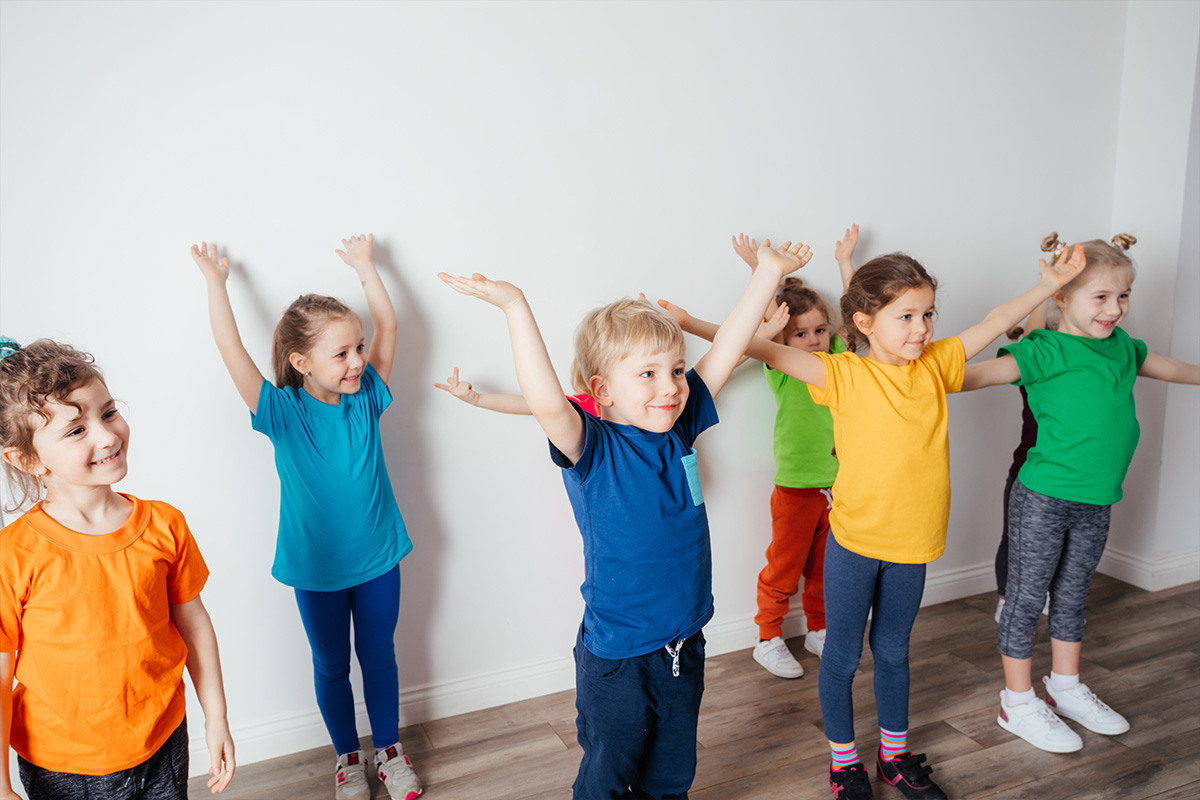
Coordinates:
(691, 468)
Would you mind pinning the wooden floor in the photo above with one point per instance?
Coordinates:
(761, 737)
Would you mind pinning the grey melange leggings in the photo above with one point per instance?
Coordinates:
(1053, 545)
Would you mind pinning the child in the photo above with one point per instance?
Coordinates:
(1080, 384)
(100, 606)
(891, 498)
(633, 481)
(341, 536)
(805, 466)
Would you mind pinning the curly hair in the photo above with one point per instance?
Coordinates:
(34, 376)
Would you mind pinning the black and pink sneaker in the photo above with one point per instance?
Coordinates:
(907, 774)
(850, 783)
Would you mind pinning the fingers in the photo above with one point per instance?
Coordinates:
(664, 304)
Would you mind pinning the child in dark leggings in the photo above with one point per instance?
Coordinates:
(1080, 383)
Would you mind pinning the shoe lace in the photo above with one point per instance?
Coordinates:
(1090, 697)
(779, 651)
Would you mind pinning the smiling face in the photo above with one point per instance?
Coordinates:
(335, 364)
(808, 331)
(899, 331)
(1098, 305)
(646, 390)
(84, 442)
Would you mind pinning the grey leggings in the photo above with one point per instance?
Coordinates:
(1053, 545)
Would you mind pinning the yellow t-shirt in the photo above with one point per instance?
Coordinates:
(99, 663)
(891, 499)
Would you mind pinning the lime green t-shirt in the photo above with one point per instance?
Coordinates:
(804, 457)
(1081, 394)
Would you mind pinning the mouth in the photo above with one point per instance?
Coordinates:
(352, 378)
(671, 407)
(1107, 323)
(104, 462)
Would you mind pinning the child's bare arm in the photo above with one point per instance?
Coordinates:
(6, 683)
(767, 329)
(844, 253)
(996, 372)
(503, 403)
(1168, 369)
(1005, 316)
(729, 344)
(204, 667)
(539, 383)
(747, 249)
(382, 351)
(242, 369)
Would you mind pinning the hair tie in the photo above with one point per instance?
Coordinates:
(1051, 244)
(1124, 241)
(7, 347)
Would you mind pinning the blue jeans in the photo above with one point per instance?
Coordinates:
(854, 586)
(637, 722)
(374, 607)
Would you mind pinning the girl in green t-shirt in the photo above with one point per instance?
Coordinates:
(1079, 382)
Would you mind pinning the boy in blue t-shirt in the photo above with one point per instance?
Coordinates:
(634, 485)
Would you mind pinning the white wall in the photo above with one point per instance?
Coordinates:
(584, 151)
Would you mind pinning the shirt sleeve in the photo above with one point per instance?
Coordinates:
(377, 393)
(837, 378)
(1140, 351)
(10, 614)
(699, 413)
(188, 573)
(951, 359)
(269, 419)
(592, 443)
(1029, 356)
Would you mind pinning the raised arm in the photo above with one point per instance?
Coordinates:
(535, 372)
(242, 369)
(502, 403)
(767, 329)
(204, 666)
(1003, 317)
(729, 343)
(844, 253)
(996, 372)
(357, 256)
(1168, 369)
(747, 249)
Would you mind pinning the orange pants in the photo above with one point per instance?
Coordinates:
(799, 528)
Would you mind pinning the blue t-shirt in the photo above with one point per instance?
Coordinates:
(646, 552)
(339, 525)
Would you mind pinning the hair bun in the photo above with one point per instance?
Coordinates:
(793, 282)
(1051, 244)
(1124, 241)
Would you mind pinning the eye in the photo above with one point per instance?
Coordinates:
(341, 354)
(112, 413)
(679, 372)
(928, 315)
(647, 374)
(1125, 296)
(906, 317)
(361, 348)
(76, 431)
(801, 334)
(819, 331)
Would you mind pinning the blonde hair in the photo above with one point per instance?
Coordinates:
(612, 332)
(1101, 255)
(298, 330)
(34, 376)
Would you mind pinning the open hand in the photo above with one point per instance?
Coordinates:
(774, 325)
(1064, 269)
(211, 267)
(844, 250)
(787, 258)
(460, 389)
(358, 251)
(220, 747)
(676, 313)
(745, 247)
(499, 293)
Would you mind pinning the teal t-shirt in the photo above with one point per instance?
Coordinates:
(1081, 394)
(804, 456)
(339, 525)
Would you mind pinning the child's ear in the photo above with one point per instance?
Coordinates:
(600, 390)
(1060, 300)
(299, 363)
(27, 464)
(862, 322)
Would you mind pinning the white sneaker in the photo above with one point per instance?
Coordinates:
(350, 780)
(1036, 723)
(777, 659)
(1080, 704)
(396, 773)
(814, 642)
(999, 608)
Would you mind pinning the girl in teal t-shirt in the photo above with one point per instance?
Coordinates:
(1079, 380)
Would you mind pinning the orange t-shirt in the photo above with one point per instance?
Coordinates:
(99, 664)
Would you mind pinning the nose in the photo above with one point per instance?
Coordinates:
(668, 386)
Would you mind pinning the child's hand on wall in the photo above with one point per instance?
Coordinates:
(787, 258)
(460, 389)
(844, 250)
(357, 254)
(499, 293)
(676, 313)
(211, 267)
(745, 247)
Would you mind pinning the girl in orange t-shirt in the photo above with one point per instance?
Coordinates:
(100, 607)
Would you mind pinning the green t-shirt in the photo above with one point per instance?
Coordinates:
(1081, 394)
(804, 456)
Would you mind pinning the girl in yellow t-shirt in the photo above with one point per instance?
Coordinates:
(100, 607)
(891, 497)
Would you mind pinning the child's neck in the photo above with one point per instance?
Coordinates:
(321, 395)
(93, 510)
(887, 358)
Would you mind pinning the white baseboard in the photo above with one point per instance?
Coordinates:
(264, 740)
(1151, 575)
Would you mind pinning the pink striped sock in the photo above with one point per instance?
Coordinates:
(892, 744)
(844, 755)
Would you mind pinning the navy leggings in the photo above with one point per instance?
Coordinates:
(854, 586)
(374, 607)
